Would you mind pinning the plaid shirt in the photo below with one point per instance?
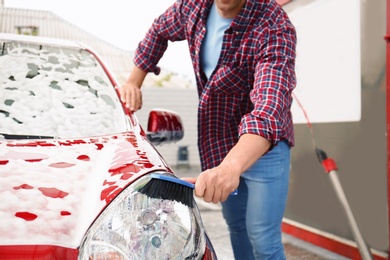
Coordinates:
(250, 89)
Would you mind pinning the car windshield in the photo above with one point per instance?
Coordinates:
(55, 92)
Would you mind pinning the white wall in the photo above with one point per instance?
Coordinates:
(328, 61)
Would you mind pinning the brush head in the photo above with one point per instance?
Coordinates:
(168, 187)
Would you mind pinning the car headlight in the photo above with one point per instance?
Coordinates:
(135, 226)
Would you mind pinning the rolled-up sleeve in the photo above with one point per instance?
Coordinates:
(274, 81)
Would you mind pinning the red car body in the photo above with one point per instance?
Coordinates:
(54, 188)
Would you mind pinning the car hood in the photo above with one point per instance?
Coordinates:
(52, 190)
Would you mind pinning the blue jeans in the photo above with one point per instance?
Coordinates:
(254, 216)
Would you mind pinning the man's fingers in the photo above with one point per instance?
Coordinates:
(125, 95)
(132, 97)
(224, 196)
(200, 188)
(208, 194)
(208, 188)
(122, 94)
(217, 196)
(138, 103)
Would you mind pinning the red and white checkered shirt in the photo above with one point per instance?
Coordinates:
(250, 89)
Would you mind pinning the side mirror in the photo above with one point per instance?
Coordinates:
(164, 127)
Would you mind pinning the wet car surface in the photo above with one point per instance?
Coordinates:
(73, 159)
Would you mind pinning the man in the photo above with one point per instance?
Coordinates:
(243, 54)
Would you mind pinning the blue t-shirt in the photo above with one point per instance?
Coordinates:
(212, 42)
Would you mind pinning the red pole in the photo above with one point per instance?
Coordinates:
(387, 38)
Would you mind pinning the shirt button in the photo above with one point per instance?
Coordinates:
(196, 52)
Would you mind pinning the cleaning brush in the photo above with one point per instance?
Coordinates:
(169, 187)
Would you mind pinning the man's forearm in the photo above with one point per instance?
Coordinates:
(137, 76)
(247, 151)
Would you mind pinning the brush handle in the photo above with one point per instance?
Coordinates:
(235, 192)
(172, 179)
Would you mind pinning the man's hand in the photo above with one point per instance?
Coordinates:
(216, 184)
(131, 95)
(130, 92)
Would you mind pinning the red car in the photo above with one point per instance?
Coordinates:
(73, 159)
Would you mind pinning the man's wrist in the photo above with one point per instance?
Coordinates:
(137, 77)
(233, 165)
